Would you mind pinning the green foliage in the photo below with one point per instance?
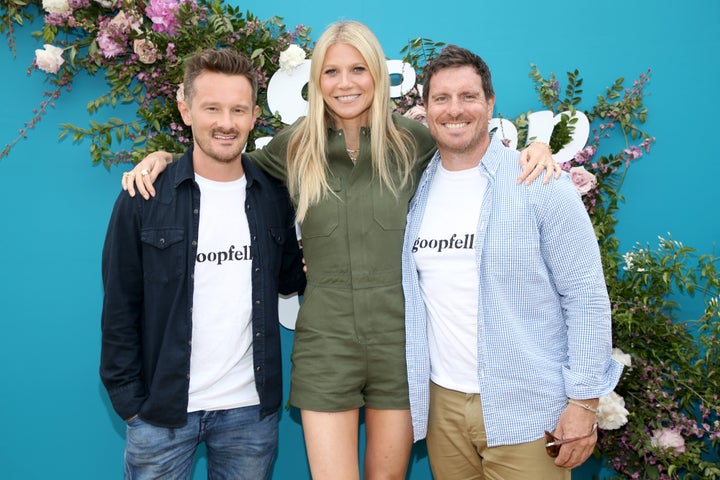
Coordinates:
(674, 380)
(417, 52)
(150, 84)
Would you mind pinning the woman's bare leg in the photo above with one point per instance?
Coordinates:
(389, 442)
(331, 441)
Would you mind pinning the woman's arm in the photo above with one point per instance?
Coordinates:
(145, 173)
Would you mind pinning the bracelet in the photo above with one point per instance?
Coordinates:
(580, 404)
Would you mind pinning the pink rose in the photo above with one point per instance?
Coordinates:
(49, 59)
(125, 22)
(145, 50)
(584, 181)
(417, 113)
(668, 439)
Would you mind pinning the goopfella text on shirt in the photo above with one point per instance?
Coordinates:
(455, 241)
(242, 253)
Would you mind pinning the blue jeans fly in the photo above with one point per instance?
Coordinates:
(239, 446)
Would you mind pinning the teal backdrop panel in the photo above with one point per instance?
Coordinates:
(54, 205)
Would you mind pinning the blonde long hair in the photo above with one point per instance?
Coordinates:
(391, 148)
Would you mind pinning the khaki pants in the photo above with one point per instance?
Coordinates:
(457, 445)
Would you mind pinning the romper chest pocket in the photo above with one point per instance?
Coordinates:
(389, 211)
(163, 253)
(323, 217)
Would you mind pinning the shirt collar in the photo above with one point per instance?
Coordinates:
(184, 171)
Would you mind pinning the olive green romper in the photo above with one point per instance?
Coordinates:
(349, 347)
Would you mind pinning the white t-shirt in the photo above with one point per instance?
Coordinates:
(221, 359)
(447, 268)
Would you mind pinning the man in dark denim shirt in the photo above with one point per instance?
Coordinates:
(190, 330)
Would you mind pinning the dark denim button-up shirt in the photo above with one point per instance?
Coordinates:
(147, 267)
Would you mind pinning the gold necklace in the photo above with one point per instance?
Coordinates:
(352, 153)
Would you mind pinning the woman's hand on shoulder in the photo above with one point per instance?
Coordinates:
(536, 158)
(145, 173)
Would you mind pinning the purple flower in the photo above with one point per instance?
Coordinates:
(163, 13)
(108, 46)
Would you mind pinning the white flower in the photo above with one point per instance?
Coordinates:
(622, 357)
(106, 3)
(56, 6)
(611, 413)
(49, 59)
(628, 257)
(180, 93)
(291, 58)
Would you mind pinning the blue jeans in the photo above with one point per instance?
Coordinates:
(239, 446)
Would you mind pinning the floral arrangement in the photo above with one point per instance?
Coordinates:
(663, 419)
(139, 47)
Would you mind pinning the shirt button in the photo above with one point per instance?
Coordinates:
(257, 302)
(162, 241)
(257, 369)
(258, 334)
(257, 269)
(194, 243)
(196, 211)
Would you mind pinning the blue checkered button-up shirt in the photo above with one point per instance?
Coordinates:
(543, 321)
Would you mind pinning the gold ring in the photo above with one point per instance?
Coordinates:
(144, 172)
(128, 174)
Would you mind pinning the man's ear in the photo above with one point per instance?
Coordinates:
(184, 109)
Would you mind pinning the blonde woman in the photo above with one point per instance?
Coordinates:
(351, 167)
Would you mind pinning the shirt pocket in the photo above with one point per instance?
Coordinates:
(322, 219)
(514, 249)
(163, 253)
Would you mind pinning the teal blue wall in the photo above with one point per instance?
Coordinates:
(54, 206)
